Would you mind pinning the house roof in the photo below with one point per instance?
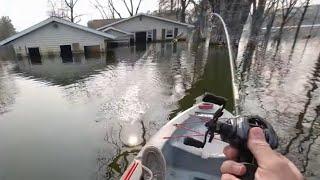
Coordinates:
(54, 19)
(118, 30)
(147, 15)
(97, 23)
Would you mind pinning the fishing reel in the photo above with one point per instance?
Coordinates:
(235, 131)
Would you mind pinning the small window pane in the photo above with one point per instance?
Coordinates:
(169, 33)
(149, 34)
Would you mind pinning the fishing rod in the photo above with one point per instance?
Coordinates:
(234, 131)
(233, 66)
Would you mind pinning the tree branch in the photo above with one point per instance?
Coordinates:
(115, 10)
(187, 3)
(125, 3)
(138, 6)
(75, 2)
(53, 9)
(100, 8)
(111, 10)
(131, 6)
(68, 4)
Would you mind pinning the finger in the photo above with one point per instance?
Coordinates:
(259, 147)
(293, 168)
(232, 167)
(231, 153)
(228, 177)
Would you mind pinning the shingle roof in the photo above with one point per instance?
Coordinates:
(97, 23)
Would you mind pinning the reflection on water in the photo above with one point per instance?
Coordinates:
(59, 71)
(284, 88)
(8, 89)
(88, 118)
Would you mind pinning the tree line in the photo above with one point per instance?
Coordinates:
(261, 13)
(6, 28)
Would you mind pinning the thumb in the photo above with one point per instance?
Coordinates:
(259, 147)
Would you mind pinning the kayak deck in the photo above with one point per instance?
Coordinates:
(179, 161)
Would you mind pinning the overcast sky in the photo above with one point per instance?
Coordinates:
(25, 13)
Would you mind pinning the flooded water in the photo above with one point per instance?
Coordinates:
(87, 118)
(284, 88)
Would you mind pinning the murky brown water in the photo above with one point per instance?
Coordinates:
(87, 119)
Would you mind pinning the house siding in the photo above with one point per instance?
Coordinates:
(145, 23)
(49, 38)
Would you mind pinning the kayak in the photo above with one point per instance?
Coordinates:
(167, 156)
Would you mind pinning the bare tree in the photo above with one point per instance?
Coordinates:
(300, 23)
(57, 9)
(270, 17)
(179, 6)
(131, 10)
(102, 10)
(71, 4)
(106, 11)
(112, 8)
(258, 9)
(235, 13)
(165, 5)
(109, 10)
(171, 5)
(287, 7)
(183, 7)
(63, 9)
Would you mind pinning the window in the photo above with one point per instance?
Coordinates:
(169, 33)
(92, 51)
(149, 36)
(66, 53)
(34, 55)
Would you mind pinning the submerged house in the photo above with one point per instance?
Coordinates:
(57, 36)
(147, 28)
(121, 37)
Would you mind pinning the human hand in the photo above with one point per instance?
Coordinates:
(271, 165)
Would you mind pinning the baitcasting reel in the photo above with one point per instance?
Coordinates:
(235, 131)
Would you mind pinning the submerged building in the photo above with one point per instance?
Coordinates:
(57, 36)
(145, 28)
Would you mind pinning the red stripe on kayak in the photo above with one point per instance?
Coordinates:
(129, 172)
(134, 168)
(205, 106)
